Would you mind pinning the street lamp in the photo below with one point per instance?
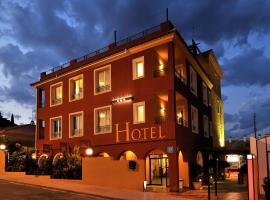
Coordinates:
(89, 151)
(3, 147)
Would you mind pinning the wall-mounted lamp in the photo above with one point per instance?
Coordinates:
(89, 151)
(3, 147)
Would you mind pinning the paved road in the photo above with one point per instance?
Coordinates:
(18, 191)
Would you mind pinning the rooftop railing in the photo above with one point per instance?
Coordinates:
(106, 48)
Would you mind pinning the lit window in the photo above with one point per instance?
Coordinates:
(56, 94)
(102, 79)
(205, 94)
(193, 81)
(138, 68)
(205, 126)
(139, 112)
(76, 88)
(76, 124)
(180, 73)
(194, 119)
(56, 128)
(180, 116)
(103, 120)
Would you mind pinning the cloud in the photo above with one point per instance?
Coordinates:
(243, 121)
(249, 68)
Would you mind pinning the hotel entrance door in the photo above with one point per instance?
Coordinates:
(159, 171)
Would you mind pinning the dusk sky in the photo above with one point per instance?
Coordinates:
(37, 35)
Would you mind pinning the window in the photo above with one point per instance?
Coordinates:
(102, 77)
(138, 68)
(211, 129)
(194, 119)
(205, 126)
(103, 120)
(41, 124)
(180, 73)
(76, 124)
(209, 98)
(76, 88)
(56, 128)
(205, 94)
(193, 81)
(56, 94)
(41, 98)
(139, 112)
(180, 116)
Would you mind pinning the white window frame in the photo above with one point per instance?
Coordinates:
(205, 126)
(193, 81)
(101, 108)
(61, 122)
(205, 94)
(72, 114)
(110, 74)
(51, 90)
(196, 120)
(69, 88)
(135, 105)
(134, 67)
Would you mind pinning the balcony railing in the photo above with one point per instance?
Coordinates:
(56, 101)
(77, 96)
(76, 132)
(100, 129)
(182, 122)
(103, 88)
(181, 78)
(160, 119)
(161, 72)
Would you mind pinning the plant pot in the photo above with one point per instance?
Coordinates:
(267, 193)
(197, 185)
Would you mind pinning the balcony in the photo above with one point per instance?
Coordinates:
(160, 119)
(56, 101)
(182, 122)
(103, 88)
(101, 129)
(76, 132)
(161, 72)
(181, 77)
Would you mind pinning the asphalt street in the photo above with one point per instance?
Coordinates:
(17, 191)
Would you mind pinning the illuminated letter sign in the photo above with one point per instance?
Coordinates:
(138, 134)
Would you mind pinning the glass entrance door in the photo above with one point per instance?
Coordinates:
(159, 171)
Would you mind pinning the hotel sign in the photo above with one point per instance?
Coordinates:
(126, 134)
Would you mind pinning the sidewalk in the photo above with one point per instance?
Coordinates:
(78, 186)
(228, 190)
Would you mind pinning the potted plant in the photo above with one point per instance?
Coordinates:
(196, 175)
(266, 187)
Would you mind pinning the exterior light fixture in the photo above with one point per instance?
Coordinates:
(89, 151)
(122, 100)
(34, 156)
(3, 147)
(144, 185)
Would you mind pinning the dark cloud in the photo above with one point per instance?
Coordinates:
(243, 121)
(250, 68)
(16, 116)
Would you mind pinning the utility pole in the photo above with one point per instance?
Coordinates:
(254, 124)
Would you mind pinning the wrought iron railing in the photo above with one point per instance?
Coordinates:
(100, 129)
(161, 72)
(103, 88)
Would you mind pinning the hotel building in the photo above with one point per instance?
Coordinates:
(150, 96)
